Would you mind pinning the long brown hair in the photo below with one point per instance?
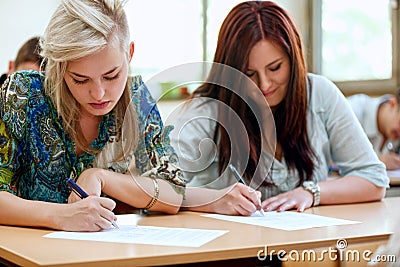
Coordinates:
(247, 24)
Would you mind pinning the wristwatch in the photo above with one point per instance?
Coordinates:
(313, 188)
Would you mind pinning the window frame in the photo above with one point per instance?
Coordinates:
(371, 87)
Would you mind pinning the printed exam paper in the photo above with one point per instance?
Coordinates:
(285, 220)
(149, 235)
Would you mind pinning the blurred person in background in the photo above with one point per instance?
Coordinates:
(380, 119)
(28, 58)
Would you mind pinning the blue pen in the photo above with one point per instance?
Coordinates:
(82, 194)
(241, 180)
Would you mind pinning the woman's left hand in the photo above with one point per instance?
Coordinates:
(298, 199)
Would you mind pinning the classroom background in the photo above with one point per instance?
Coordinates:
(354, 43)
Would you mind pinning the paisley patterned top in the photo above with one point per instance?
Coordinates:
(36, 154)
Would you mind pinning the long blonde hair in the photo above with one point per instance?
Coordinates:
(79, 28)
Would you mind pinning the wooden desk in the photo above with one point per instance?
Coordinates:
(394, 176)
(394, 190)
(394, 180)
(27, 247)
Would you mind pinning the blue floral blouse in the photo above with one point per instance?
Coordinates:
(37, 155)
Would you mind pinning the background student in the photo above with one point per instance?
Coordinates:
(314, 122)
(380, 119)
(28, 58)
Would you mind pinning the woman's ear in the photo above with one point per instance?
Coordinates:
(11, 67)
(131, 50)
(393, 102)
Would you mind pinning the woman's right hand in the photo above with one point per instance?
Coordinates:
(89, 214)
(238, 200)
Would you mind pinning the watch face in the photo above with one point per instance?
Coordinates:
(308, 184)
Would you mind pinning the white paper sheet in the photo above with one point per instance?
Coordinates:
(150, 235)
(286, 220)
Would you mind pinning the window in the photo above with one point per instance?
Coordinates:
(165, 33)
(355, 44)
(216, 13)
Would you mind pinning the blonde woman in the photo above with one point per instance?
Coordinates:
(83, 118)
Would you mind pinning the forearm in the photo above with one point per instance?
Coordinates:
(138, 191)
(21, 212)
(349, 189)
(233, 200)
(202, 199)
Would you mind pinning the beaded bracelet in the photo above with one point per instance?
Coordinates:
(156, 194)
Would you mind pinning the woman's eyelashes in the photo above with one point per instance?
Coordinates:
(250, 74)
(112, 78)
(105, 78)
(271, 68)
(275, 67)
(79, 81)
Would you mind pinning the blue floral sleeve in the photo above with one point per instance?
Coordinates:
(154, 155)
(13, 105)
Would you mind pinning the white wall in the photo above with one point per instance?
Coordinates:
(301, 14)
(20, 20)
